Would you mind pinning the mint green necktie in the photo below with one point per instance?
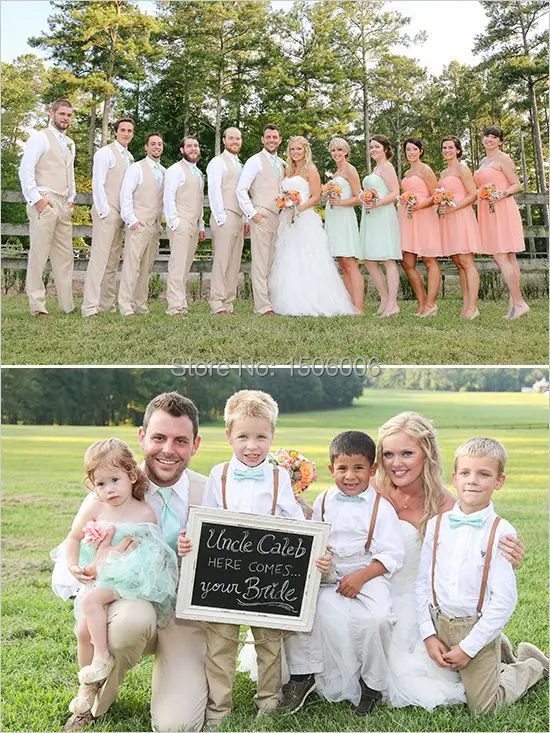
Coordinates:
(345, 497)
(157, 173)
(254, 474)
(456, 520)
(169, 521)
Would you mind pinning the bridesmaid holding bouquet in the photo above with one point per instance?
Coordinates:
(420, 235)
(499, 219)
(341, 222)
(459, 230)
(379, 233)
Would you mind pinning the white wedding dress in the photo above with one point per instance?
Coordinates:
(304, 281)
(414, 679)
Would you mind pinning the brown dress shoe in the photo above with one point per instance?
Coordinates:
(41, 314)
(79, 721)
(269, 313)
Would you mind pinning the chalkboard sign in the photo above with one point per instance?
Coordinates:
(251, 569)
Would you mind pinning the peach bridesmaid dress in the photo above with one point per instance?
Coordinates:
(420, 234)
(501, 231)
(459, 230)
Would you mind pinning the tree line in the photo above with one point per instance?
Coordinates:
(111, 396)
(317, 69)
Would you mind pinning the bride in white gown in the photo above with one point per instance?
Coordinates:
(304, 281)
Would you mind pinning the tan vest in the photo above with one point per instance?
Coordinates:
(229, 184)
(148, 196)
(54, 168)
(113, 182)
(266, 186)
(189, 197)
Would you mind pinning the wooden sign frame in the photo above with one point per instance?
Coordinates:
(185, 608)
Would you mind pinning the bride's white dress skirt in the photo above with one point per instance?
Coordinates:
(304, 280)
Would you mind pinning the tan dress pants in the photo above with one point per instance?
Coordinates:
(222, 641)
(51, 235)
(105, 254)
(227, 241)
(183, 245)
(263, 238)
(179, 691)
(140, 251)
(488, 682)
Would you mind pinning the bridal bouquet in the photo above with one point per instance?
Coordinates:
(488, 192)
(408, 199)
(443, 198)
(301, 469)
(331, 191)
(289, 200)
(367, 195)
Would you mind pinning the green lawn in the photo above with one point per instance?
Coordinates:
(157, 339)
(42, 480)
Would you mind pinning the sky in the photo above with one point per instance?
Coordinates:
(450, 24)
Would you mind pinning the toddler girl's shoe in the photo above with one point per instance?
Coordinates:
(83, 702)
(96, 672)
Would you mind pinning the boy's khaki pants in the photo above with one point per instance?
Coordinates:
(488, 682)
(222, 641)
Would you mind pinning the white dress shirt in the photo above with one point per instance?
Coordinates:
(132, 179)
(349, 528)
(36, 146)
(251, 169)
(253, 496)
(215, 171)
(104, 159)
(176, 177)
(459, 567)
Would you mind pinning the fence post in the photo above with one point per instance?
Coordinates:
(525, 187)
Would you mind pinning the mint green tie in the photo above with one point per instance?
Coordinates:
(169, 521)
(157, 173)
(455, 520)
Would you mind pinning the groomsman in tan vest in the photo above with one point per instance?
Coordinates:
(168, 439)
(226, 223)
(257, 189)
(110, 164)
(183, 209)
(47, 180)
(141, 209)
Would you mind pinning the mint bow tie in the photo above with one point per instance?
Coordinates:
(455, 520)
(345, 497)
(255, 474)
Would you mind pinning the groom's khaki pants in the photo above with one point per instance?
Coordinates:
(488, 683)
(263, 238)
(140, 251)
(183, 245)
(105, 254)
(179, 691)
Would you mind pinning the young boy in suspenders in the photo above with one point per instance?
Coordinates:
(344, 657)
(247, 483)
(466, 590)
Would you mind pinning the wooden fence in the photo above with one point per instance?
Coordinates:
(531, 260)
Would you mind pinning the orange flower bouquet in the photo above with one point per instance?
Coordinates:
(408, 199)
(301, 469)
(488, 192)
(443, 198)
(368, 195)
(330, 191)
(289, 200)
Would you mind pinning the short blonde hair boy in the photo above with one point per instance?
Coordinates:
(483, 448)
(250, 403)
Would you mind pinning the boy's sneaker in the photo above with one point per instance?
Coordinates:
(530, 651)
(295, 694)
(368, 699)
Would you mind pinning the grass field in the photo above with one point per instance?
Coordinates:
(157, 339)
(42, 480)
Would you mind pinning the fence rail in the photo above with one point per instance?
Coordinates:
(530, 261)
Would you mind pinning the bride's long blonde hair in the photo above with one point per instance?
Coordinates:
(419, 429)
(291, 169)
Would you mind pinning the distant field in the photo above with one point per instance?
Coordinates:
(42, 482)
